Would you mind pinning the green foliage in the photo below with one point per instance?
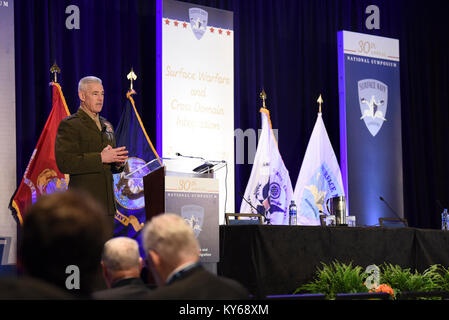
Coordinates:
(443, 279)
(336, 278)
(342, 278)
(405, 280)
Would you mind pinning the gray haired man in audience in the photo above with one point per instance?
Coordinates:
(173, 254)
(122, 264)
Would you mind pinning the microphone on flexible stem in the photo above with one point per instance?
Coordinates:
(391, 209)
(263, 214)
(191, 157)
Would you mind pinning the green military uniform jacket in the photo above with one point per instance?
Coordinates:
(78, 145)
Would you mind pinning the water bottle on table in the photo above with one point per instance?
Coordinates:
(444, 220)
(292, 214)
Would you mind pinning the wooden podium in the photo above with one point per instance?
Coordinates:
(154, 193)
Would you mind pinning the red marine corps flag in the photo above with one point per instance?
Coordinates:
(42, 175)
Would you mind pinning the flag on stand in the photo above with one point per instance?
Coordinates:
(319, 178)
(42, 175)
(128, 188)
(269, 188)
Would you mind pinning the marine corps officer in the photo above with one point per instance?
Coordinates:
(85, 147)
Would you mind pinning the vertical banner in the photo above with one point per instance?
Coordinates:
(370, 126)
(195, 88)
(8, 182)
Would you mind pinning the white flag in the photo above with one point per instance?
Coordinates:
(269, 188)
(319, 178)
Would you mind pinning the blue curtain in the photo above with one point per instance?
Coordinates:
(287, 47)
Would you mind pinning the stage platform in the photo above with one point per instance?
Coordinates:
(271, 260)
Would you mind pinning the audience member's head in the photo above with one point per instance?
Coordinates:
(169, 243)
(121, 260)
(61, 230)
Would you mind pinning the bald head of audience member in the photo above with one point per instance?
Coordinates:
(121, 260)
(63, 231)
(169, 243)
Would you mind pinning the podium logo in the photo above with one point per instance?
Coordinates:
(373, 99)
(198, 21)
(4, 4)
(194, 216)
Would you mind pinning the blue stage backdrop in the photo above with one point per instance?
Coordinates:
(286, 47)
(370, 126)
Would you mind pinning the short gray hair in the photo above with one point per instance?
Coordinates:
(86, 80)
(171, 237)
(121, 253)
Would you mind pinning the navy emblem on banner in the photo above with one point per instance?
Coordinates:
(128, 188)
(198, 21)
(194, 216)
(373, 99)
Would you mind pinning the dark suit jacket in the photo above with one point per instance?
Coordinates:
(78, 145)
(27, 288)
(124, 289)
(199, 284)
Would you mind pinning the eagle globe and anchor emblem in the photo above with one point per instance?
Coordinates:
(373, 100)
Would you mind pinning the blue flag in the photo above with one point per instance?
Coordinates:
(128, 189)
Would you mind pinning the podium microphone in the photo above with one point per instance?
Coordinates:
(391, 209)
(191, 157)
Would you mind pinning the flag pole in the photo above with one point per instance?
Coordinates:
(320, 101)
(131, 76)
(55, 70)
(263, 96)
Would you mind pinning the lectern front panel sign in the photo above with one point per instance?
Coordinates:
(196, 200)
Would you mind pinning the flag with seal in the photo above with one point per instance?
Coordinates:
(269, 189)
(42, 175)
(319, 177)
(128, 189)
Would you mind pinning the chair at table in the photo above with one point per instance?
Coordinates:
(248, 218)
(393, 223)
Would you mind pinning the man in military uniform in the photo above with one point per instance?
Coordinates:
(85, 147)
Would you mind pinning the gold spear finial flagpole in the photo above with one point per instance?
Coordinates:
(263, 96)
(320, 101)
(131, 76)
(55, 70)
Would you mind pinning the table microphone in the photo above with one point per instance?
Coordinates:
(248, 202)
(388, 205)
